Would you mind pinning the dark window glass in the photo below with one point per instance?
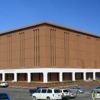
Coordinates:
(3, 96)
(38, 91)
(98, 87)
(57, 91)
(49, 91)
(65, 90)
(69, 91)
(44, 91)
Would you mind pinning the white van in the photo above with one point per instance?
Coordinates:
(47, 93)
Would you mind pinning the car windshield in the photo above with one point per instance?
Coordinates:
(76, 88)
(3, 96)
(38, 91)
(69, 91)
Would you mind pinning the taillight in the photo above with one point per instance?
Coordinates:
(71, 93)
(62, 93)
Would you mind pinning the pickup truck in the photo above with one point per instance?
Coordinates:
(33, 90)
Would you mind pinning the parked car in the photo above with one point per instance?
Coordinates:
(68, 94)
(33, 90)
(96, 89)
(48, 94)
(77, 89)
(4, 96)
(4, 84)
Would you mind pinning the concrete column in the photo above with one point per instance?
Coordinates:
(84, 76)
(15, 77)
(29, 77)
(73, 76)
(45, 78)
(3, 77)
(94, 76)
(60, 76)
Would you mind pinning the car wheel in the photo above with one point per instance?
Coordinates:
(48, 98)
(34, 98)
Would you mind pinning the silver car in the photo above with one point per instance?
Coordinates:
(77, 89)
(68, 94)
(96, 89)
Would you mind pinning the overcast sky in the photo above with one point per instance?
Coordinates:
(78, 14)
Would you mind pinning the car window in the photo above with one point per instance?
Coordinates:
(76, 88)
(38, 91)
(69, 91)
(3, 96)
(49, 91)
(65, 90)
(57, 91)
(43, 90)
(98, 88)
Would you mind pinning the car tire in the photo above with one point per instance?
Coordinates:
(48, 98)
(34, 98)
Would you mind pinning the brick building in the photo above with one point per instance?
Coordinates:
(47, 52)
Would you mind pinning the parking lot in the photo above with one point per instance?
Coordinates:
(23, 93)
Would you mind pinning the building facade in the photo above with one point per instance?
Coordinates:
(46, 52)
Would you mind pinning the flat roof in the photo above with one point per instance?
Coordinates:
(50, 24)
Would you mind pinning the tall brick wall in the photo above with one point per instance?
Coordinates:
(48, 46)
(70, 49)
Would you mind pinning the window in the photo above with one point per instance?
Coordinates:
(49, 91)
(38, 91)
(57, 91)
(44, 91)
(65, 90)
(3, 96)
